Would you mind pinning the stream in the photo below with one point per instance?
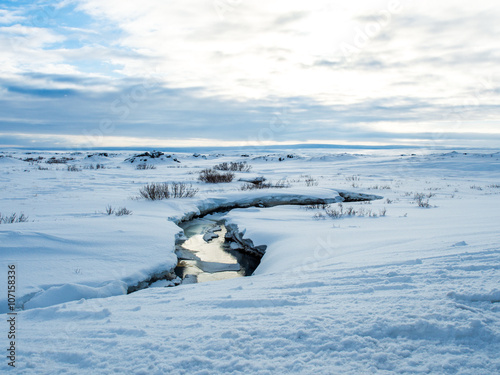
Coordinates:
(210, 251)
(206, 255)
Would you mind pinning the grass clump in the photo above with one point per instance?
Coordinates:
(215, 177)
(92, 166)
(119, 212)
(340, 212)
(33, 160)
(310, 181)
(422, 199)
(61, 160)
(157, 191)
(73, 168)
(13, 218)
(380, 187)
(233, 167)
(123, 211)
(145, 166)
(352, 178)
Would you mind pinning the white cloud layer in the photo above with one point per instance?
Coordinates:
(343, 69)
(435, 50)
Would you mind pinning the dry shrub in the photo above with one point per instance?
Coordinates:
(233, 167)
(215, 177)
(163, 190)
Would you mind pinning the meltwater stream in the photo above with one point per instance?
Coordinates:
(203, 259)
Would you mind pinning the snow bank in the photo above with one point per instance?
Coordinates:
(82, 258)
(72, 292)
(270, 198)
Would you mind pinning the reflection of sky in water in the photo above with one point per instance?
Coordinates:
(211, 251)
(210, 260)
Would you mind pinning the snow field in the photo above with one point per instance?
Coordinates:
(415, 291)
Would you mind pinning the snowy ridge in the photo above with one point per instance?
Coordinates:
(60, 262)
(271, 198)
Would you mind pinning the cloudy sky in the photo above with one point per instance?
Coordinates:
(102, 73)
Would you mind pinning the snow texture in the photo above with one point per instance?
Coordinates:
(394, 289)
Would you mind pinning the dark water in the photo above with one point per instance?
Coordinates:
(201, 261)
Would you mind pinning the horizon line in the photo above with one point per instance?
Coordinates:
(247, 147)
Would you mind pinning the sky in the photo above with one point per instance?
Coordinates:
(187, 73)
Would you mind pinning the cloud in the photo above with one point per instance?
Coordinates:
(221, 69)
(9, 17)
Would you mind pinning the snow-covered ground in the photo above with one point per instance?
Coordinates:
(397, 288)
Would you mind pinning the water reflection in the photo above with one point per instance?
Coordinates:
(201, 261)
